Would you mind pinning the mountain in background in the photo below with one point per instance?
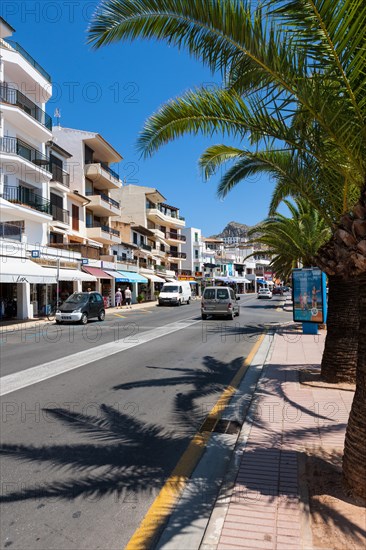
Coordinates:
(233, 229)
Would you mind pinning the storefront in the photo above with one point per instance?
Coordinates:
(155, 286)
(136, 282)
(22, 281)
(104, 284)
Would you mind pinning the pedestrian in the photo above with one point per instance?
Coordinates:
(128, 298)
(118, 298)
(89, 289)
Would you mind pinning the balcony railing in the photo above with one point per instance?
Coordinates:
(124, 260)
(11, 95)
(109, 170)
(160, 267)
(174, 254)
(145, 247)
(23, 195)
(104, 228)
(175, 236)
(16, 146)
(105, 167)
(86, 251)
(60, 214)
(10, 231)
(59, 175)
(104, 197)
(30, 59)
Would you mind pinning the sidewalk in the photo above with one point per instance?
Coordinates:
(14, 325)
(288, 425)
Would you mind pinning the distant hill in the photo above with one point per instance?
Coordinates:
(233, 229)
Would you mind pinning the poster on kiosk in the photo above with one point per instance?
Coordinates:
(309, 295)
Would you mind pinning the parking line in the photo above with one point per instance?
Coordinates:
(146, 534)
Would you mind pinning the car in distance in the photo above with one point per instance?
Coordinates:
(80, 307)
(278, 290)
(264, 293)
(219, 300)
(175, 294)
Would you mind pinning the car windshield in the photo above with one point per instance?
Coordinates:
(77, 298)
(170, 288)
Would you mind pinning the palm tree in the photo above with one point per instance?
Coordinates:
(294, 240)
(304, 61)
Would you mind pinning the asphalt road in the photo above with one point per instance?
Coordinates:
(86, 451)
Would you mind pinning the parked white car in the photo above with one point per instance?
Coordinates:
(175, 293)
(264, 293)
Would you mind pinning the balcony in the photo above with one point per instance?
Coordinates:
(157, 232)
(145, 247)
(11, 95)
(27, 197)
(174, 254)
(103, 175)
(123, 260)
(59, 175)
(60, 214)
(103, 233)
(30, 59)
(15, 146)
(102, 205)
(85, 250)
(158, 214)
(175, 237)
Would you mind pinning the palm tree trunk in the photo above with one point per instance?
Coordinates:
(354, 459)
(339, 360)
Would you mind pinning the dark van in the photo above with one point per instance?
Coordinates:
(81, 306)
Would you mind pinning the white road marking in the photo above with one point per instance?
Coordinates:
(33, 375)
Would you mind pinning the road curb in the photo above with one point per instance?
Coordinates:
(221, 459)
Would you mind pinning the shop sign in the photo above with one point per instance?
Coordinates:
(185, 278)
(198, 273)
(309, 295)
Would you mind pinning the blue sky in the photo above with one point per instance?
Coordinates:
(113, 90)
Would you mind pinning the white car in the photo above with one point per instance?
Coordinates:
(264, 293)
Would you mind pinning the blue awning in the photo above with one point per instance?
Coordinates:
(131, 277)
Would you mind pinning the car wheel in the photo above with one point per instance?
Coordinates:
(203, 316)
(238, 313)
(188, 301)
(231, 316)
(179, 303)
(84, 319)
(101, 315)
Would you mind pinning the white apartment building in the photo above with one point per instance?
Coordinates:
(193, 248)
(32, 201)
(146, 207)
(93, 179)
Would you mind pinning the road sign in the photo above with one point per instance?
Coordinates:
(35, 253)
(84, 261)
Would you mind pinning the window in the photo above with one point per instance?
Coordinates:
(134, 237)
(209, 294)
(222, 294)
(196, 254)
(88, 155)
(75, 217)
(196, 237)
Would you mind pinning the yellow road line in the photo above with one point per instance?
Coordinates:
(119, 315)
(164, 503)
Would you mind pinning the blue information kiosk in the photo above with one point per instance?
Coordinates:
(309, 296)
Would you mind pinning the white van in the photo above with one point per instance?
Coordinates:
(175, 293)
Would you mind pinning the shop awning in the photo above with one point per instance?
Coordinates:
(73, 275)
(170, 280)
(23, 270)
(241, 280)
(131, 277)
(114, 274)
(155, 278)
(97, 272)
